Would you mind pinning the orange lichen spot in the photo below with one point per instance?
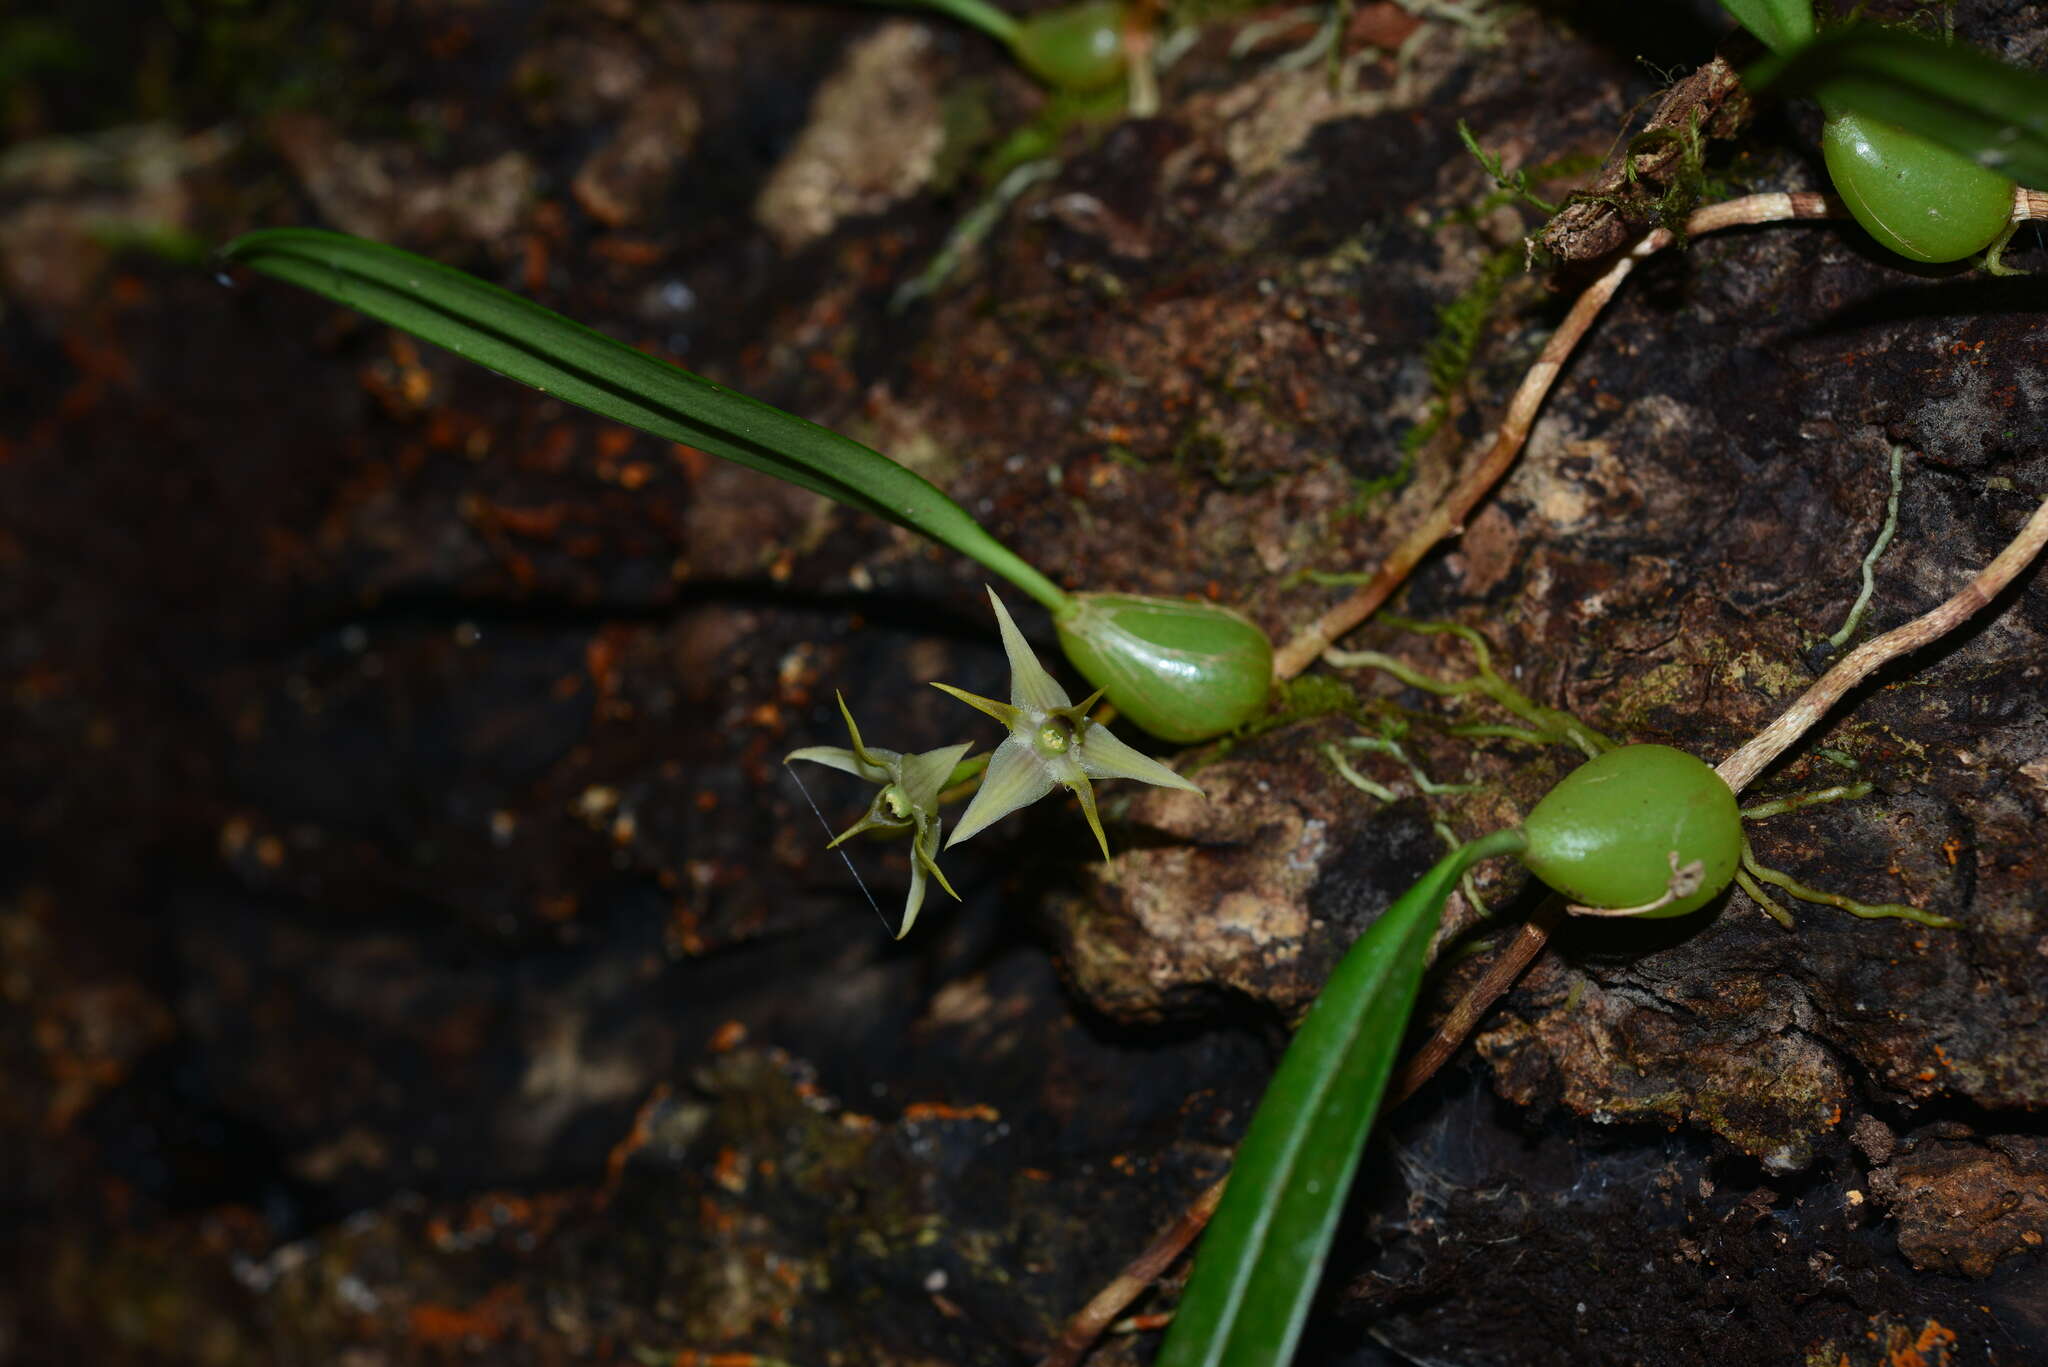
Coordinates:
(450, 40)
(559, 908)
(727, 1037)
(705, 800)
(683, 938)
(555, 451)
(635, 1139)
(634, 474)
(1035, 1174)
(1928, 1349)
(416, 386)
(270, 852)
(715, 1218)
(729, 1170)
(614, 442)
(918, 1111)
(601, 658)
(627, 251)
(858, 1123)
(693, 461)
(535, 524)
(487, 1320)
(534, 270)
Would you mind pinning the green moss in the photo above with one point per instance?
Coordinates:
(1448, 357)
(1514, 187)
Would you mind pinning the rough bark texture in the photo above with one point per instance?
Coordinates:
(414, 949)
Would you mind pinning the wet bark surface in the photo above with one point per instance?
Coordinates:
(414, 949)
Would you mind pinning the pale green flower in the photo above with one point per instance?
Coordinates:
(1052, 743)
(908, 801)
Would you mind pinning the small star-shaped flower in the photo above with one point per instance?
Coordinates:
(1052, 743)
(908, 801)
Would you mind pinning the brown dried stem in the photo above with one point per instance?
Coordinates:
(1742, 767)
(1448, 518)
(1738, 771)
(1087, 1326)
(1500, 975)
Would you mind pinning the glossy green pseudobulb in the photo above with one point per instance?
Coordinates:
(1184, 671)
(1080, 47)
(1605, 836)
(1914, 196)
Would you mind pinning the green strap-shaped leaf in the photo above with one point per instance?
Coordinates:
(997, 24)
(1258, 1265)
(1966, 100)
(537, 346)
(1780, 25)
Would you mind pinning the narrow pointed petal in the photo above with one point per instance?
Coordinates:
(1001, 711)
(1086, 792)
(865, 822)
(1030, 686)
(913, 900)
(840, 758)
(925, 849)
(925, 775)
(1015, 778)
(1104, 756)
(865, 755)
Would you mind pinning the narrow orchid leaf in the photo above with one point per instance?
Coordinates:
(1257, 1268)
(1964, 99)
(537, 346)
(1780, 25)
(975, 13)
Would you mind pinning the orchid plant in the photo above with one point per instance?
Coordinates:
(1053, 742)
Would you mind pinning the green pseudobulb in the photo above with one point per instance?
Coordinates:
(1184, 671)
(1604, 836)
(1914, 196)
(1080, 47)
